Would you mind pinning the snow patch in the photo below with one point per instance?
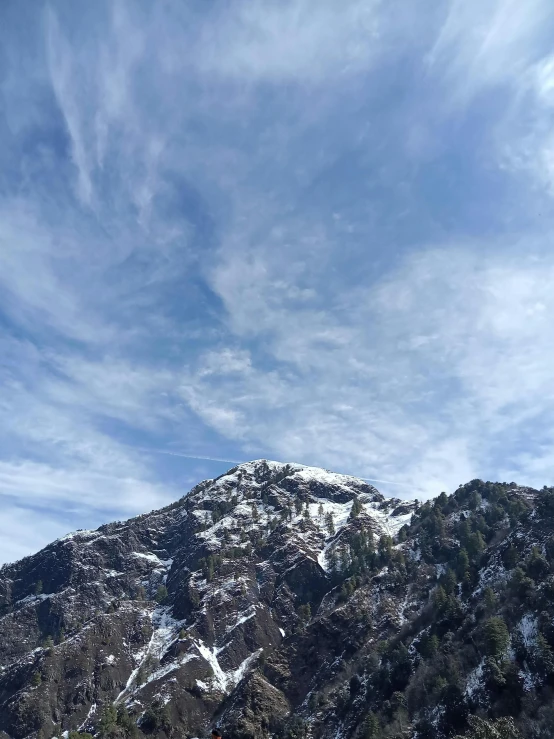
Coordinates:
(528, 629)
(165, 628)
(92, 710)
(151, 558)
(530, 681)
(225, 681)
(246, 616)
(35, 598)
(475, 679)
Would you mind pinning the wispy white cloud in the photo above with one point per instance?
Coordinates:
(444, 359)
(482, 44)
(294, 40)
(272, 229)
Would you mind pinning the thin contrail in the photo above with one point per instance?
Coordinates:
(386, 482)
(238, 461)
(186, 456)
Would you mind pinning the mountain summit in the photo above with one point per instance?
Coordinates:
(288, 601)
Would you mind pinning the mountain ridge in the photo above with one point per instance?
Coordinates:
(270, 600)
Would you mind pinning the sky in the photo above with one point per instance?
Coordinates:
(314, 232)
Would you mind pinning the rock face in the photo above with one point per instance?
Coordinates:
(287, 601)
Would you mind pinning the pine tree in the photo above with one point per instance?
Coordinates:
(502, 728)
(510, 557)
(332, 560)
(320, 510)
(344, 558)
(161, 594)
(38, 587)
(449, 582)
(385, 547)
(490, 599)
(372, 728)
(329, 523)
(476, 544)
(125, 721)
(543, 657)
(428, 645)
(496, 636)
(356, 508)
(462, 564)
(36, 679)
(440, 599)
(108, 721)
(536, 566)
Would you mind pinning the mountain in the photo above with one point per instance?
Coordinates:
(288, 601)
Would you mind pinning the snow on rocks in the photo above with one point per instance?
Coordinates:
(528, 628)
(90, 714)
(530, 681)
(475, 680)
(224, 681)
(149, 556)
(165, 631)
(243, 618)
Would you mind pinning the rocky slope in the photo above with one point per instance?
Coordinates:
(281, 600)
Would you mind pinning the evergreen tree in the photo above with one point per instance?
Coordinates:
(305, 612)
(385, 547)
(449, 582)
(344, 558)
(440, 599)
(476, 544)
(161, 594)
(38, 587)
(464, 531)
(543, 657)
(332, 560)
(320, 510)
(372, 728)
(428, 645)
(462, 563)
(108, 722)
(489, 598)
(496, 636)
(356, 508)
(502, 728)
(329, 523)
(536, 566)
(125, 721)
(510, 557)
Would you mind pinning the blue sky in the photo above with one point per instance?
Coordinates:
(308, 231)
